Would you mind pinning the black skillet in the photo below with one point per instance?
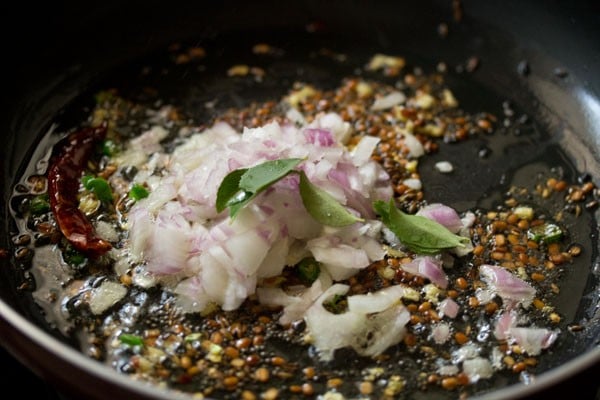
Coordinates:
(542, 57)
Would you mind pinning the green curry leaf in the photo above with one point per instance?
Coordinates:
(242, 185)
(259, 177)
(229, 188)
(421, 235)
(322, 206)
(239, 187)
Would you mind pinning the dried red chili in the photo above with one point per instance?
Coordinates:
(66, 167)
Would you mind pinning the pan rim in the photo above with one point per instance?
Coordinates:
(95, 369)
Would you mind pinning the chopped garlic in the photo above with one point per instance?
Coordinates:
(524, 212)
(298, 96)
(381, 61)
(431, 292)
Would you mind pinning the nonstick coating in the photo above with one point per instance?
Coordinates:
(70, 49)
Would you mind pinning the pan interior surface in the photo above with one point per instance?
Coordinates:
(541, 143)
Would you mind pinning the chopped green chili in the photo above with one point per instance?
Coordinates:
(39, 204)
(308, 269)
(138, 192)
(132, 340)
(99, 187)
(337, 305)
(73, 257)
(109, 148)
(545, 233)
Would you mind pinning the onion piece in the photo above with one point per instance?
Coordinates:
(506, 285)
(296, 305)
(369, 334)
(341, 129)
(380, 331)
(445, 167)
(440, 332)
(477, 368)
(443, 215)
(505, 322)
(148, 142)
(448, 370)
(448, 307)
(415, 147)
(191, 296)
(429, 268)
(377, 301)
(364, 149)
(413, 183)
(532, 340)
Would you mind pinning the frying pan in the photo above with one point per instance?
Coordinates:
(542, 57)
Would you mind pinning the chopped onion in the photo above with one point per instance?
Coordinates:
(413, 183)
(377, 301)
(440, 332)
(532, 340)
(429, 268)
(448, 307)
(295, 306)
(443, 215)
(380, 331)
(191, 296)
(477, 368)
(444, 167)
(448, 370)
(465, 352)
(506, 285)
(415, 147)
(506, 321)
(148, 142)
(341, 129)
(295, 116)
(363, 150)
(368, 333)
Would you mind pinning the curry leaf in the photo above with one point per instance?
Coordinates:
(258, 178)
(421, 235)
(229, 188)
(322, 206)
(240, 186)
(239, 201)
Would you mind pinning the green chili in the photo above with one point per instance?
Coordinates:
(308, 269)
(39, 204)
(138, 192)
(545, 233)
(99, 187)
(131, 340)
